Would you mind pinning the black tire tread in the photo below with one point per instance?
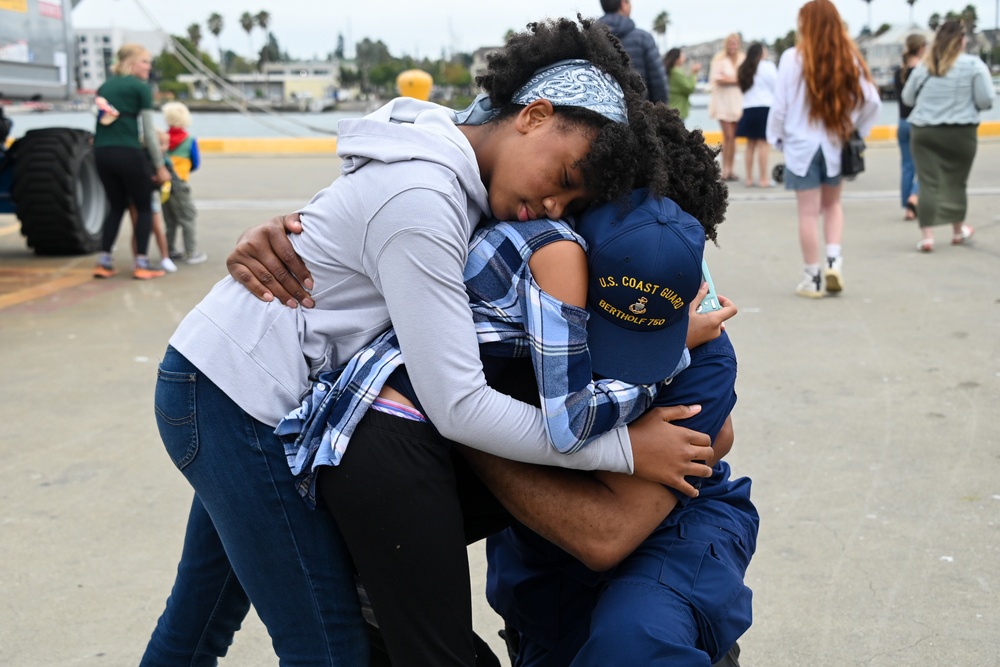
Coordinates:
(45, 190)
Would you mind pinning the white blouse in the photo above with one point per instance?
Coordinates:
(761, 93)
(789, 128)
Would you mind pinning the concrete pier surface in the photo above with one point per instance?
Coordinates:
(868, 423)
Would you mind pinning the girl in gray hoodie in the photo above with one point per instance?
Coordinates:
(559, 127)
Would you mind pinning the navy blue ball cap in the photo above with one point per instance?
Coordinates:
(645, 270)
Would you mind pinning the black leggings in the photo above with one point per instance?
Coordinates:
(127, 177)
(398, 498)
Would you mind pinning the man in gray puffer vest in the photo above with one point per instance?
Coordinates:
(640, 46)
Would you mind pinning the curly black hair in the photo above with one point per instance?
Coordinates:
(611, 167)
(684, 169)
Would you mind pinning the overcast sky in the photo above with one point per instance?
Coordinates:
(307, 28)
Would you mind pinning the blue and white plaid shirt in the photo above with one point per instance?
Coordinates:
(514, 318)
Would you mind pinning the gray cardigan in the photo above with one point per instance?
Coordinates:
(953, 99)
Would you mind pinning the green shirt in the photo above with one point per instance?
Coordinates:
(130, 96)
(681, 87)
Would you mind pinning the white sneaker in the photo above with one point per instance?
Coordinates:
(168, 265)
(196, 258)
(809, 287)
(833, 275)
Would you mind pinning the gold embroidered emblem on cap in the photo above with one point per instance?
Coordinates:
(639, 307)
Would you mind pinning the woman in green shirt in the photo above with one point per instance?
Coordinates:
(681, 83)
(123, 161)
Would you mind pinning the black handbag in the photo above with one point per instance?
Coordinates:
(852, 156)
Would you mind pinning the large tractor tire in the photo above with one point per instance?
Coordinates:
(57, 192)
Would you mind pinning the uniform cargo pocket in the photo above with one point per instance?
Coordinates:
(713, 588)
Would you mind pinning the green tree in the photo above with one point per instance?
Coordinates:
(338, 52)
(368, 55)
(781, 44)
(383, 75)
(934, 21)
(882, 29)
(247, 23)
(970, 19)
(271, 52)
(215, 25)
(455, 74)
(263, 21)
(869, 26)
(237, 64)
(168, 66)
(194, 34)
(660, 24)
(911, 3)
(349, 76)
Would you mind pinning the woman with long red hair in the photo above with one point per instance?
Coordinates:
(824, 93)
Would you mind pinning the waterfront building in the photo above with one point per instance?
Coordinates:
(310, 84)
(702, 54)
(884, 52)
(479, 56)
(96, 48)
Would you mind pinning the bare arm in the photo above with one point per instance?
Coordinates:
(265, 262)
(598, 518)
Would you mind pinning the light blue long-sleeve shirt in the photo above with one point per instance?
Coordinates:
(953, 99)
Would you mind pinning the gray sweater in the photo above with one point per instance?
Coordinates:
(953, 99)
(386, 240)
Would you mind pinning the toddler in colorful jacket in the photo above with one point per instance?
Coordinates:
(178, 209)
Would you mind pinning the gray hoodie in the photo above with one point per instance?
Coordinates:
(390, 236)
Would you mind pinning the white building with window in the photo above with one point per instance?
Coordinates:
(96, 48)
(310, 84)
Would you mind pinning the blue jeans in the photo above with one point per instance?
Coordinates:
(814, 177)
(250, 538)
(908, 185)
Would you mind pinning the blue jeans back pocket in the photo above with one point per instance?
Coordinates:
(176, 416)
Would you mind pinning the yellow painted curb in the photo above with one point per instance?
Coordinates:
(328, 145)
(275, 145)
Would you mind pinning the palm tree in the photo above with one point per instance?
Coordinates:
(263, 20)
(934, 21)
(215, 24)
(660, 24)
(869, 3)
(911, 3)
(194, 34)
(247, 23)
(970, 19)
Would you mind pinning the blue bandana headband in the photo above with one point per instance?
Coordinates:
(567, 83)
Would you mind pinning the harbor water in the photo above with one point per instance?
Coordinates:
(295, 124)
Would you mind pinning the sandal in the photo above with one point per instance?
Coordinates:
(911, 211)
(926, 245)
(964, 235)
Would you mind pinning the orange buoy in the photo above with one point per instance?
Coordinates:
(414, 83)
